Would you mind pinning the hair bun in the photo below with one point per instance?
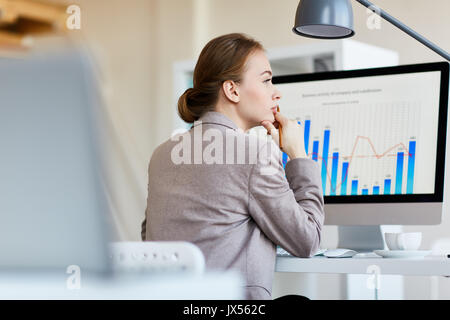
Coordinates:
(184, 106)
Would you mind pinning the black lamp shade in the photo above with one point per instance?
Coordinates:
(324, 19)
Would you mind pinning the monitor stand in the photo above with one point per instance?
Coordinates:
(364, 238)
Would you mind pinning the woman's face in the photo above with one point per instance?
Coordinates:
(258, 96)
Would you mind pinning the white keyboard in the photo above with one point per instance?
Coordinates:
(283, 253)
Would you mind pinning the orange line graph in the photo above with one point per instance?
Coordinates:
(352, 156)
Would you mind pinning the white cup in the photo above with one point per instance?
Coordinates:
(403, 241)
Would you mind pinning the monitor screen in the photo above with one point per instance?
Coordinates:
(377, 134)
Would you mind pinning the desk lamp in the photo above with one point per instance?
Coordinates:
(333, 19)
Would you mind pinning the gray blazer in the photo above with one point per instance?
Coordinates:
(235, 211)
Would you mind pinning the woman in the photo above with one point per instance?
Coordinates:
(235, 209)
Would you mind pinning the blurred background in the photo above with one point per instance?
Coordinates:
(144, 48)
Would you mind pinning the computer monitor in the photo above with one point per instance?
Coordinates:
(379, 136)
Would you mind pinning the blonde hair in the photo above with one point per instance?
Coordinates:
(223, 58)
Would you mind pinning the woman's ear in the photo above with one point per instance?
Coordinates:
(231, 91)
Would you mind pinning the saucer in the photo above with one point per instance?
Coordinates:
(408, 254)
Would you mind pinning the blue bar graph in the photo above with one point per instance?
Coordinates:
(312, 150)
(344, 179)
(334, 173)
(326, 145)
(376, 190)
(387, 186)
(315, 150)
(307, 129)
(411, 157)
(399, 173)
(354, 187)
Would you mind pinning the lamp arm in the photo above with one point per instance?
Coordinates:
(404, 28)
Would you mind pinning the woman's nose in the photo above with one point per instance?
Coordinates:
(277, 95)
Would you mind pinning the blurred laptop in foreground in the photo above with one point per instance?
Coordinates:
(52, 206)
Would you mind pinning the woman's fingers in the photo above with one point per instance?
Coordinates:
(268, 126)
(271, 130)
(281, 119)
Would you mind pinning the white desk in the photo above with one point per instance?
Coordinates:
(370, 278)
(220, 286)
(427, 266)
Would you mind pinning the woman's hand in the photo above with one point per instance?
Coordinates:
(292, 135)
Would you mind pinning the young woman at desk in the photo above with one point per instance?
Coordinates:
(235, 211)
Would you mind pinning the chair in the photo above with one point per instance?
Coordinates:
(157, 256)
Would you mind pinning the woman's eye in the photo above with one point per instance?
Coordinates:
(268, 80)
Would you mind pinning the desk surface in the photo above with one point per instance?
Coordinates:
(428, 266)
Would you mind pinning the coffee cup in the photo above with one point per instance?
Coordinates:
(403, 240)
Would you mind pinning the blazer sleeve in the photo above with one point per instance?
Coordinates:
(287, 204)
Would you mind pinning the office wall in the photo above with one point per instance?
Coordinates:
(121, 36)
(136, 43)
(129, 47)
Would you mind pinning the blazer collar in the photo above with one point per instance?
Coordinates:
(216, 118)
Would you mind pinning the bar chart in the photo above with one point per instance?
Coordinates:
(375, 162)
